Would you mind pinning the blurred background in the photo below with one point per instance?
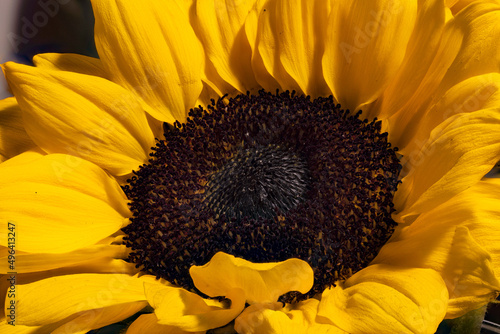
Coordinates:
(29, 27)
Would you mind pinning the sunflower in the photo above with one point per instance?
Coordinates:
(255, 167)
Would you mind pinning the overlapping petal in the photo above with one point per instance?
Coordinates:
(70, 62)
(459, 152)
(470, 32)
(97, 318)
(57, 298)
(386, 299)
(58, 203)
(220, 25)
(480, 52)
(424, 47)
(284, 43)
(27, 262)
(13, 137)
(367, 42)
(461, 238)
(261, 282)
(169, 78)
(83, 115)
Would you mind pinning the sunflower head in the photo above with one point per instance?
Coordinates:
(266, 178)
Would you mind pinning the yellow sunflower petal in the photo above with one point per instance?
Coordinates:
(386, 299)
(367, 42)
(262, 282)
(148, 323)
(285, 45)
(252, 24)
(56, 298)
(220, 25)
(58, 203)
(20, 329)
(273, 319)
(476, 93)
(87, 116)
(461, 238)
(82, 115)
(405, 115)
(13, 137)
(422, 49)
(26, 263)
(188, 311)
(94, 319)
(168, 78)
(457, 155)
(479, 53)
(70, 62)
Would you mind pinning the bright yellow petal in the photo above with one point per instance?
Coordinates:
(457, 155)
(290, 40)
(272, 318)
(262, 282)
(387, 299)
(82, 115)
(405, 114)
(188, 311)
(367, 42)
(220, 25)
(58, 203)
(26, 263)
(150, 48)
(148, 323)
(476, 93)
(422, 49)
(13, 137)
(479, 53)
(252, 26)
(462, 243)
(53, 299)
(94, 319)
(457, 5)
(20, 329)
(70, 62)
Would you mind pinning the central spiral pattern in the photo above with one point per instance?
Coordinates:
(265, 178)
(257, 183)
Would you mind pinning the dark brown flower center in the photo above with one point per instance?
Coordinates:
(257, 182)
(266, 178)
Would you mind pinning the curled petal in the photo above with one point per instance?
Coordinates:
(262, 282)
(188, 311)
